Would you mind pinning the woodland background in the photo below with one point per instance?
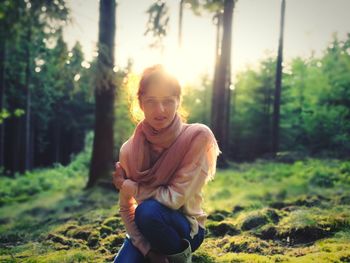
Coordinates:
(282, 188)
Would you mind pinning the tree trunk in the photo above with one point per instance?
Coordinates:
(57, 142)
(278, 81)
(181, 9)
(218, 35)
(101, 164)
(28, 150)
(214, 98)
(2, 91)
(18, 145)
(221, 89)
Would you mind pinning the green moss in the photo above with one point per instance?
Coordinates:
(247, 244)
(113, 242)
(113, 222)
(218, 215)
(200, 257)
(314, 221)
(105, 230)
(68, 256)
(81, 232)
(257, 212)
(222, 228)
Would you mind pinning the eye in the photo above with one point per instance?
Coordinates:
(150, 102)
(169, 102)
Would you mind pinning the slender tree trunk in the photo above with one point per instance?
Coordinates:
(301, 100)
(232, 123)
(57, 141)
(269, 104)
(101, 164)
(218, 35)
(28, 151)
(18, 144)
(221, 85)
(227, 97)
(181, 9)
(2, 91)
(214, 98)
(278, 81)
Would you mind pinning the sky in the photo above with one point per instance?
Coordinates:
(309, 26)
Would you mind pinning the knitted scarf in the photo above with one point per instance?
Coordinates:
(181, 143)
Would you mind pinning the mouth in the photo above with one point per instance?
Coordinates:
(159, 118)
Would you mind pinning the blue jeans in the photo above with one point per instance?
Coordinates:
(163, 228)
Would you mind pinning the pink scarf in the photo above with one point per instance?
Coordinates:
(178, 139)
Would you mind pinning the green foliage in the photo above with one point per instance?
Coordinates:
(124, 126)
(3, 115)
(315, 108)
(315, 111)
(197, 101)
(251, 111)
(25, 187)
(158, 20)
(40, 71)
(200, 7)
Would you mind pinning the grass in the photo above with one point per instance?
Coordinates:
(257, 212)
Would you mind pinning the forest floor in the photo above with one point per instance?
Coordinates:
(257, 212)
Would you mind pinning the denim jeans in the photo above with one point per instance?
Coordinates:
(163, 228)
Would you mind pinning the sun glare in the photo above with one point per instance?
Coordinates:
(177, 65)
(177, 68)
(185, 64)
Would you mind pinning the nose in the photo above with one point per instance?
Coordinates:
(160, 107)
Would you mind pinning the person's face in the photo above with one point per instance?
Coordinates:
(159, 105)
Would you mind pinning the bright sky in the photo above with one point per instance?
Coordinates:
(309, 26)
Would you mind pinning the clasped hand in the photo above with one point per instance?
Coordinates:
(119, 176)
(127, 187)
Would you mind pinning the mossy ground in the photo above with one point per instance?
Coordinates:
(258, 212)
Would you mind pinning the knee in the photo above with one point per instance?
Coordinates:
(147, 212)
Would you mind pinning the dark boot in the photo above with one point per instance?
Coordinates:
(185, 256)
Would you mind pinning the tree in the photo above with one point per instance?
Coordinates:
(277, 97)
(102, 153)
(24, 25)
(253, 111)
(8, 16)
(2, 89)
(181, 10)
(221, 86)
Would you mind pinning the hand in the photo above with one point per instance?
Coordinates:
(129, 188)
(119, 176)
(156, 257)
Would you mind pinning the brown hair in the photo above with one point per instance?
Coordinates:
(158, 73)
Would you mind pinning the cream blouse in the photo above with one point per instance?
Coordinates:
(183, 193)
